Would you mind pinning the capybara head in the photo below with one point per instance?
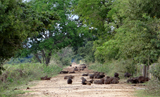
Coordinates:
(69, 81)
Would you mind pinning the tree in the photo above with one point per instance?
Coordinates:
(93, 13)
(17, 22)
(60, 34)
(137, 37)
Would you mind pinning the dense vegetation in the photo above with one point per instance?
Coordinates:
(115, 35)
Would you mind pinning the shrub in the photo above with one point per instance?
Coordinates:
(155, 70)
(153, 87)
(110, 67)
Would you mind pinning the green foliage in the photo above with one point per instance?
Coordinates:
(120, 66)
(60, 34)
(93, 14)
(155, 71)
(12, 27)
(137, 35)
(100, 67)
(85, 52)
(65, 56)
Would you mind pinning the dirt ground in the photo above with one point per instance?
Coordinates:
(58, 87)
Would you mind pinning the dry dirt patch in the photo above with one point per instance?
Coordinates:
(58, 87)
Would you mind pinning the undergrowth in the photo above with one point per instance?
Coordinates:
(20, 74)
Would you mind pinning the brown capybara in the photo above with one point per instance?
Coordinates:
(63, 72)
(116, 74)
(143, 79)
(69, 76)
(85, 74)
(45, 78)
(88, 82)
(100, 76)
(76, 69)
(115, 80)
(48, 78)
(107, 76)
(91, 81)
(72, 72)
(91, 76)
(83, 81)
(101, 81)
(133, 80)
(96, 74)
(83, 65)
(127, 74)
(108, 80)
(69, 81)
(81, 69)
(147, 78)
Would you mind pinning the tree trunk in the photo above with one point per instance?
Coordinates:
(144, 70)
(43, 55)
(48, 58)
(36, 55)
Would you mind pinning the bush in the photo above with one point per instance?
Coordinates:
(119, 66)
(153, 87)
(99, 67)
(155, 70)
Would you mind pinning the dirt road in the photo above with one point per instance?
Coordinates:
(58, 87)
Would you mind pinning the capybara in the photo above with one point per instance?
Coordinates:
(100, 76)
(69, 76)
(133, 80)
(63, 72)
(85, 74)
(72, 72)
(108, 80)
(101, 81)
(88, 82)
(83, 81)
(91, 76)
(91, 81)
(45, 78)
(143, 79)
(116, 74)
(69, 81)
(76, 69)
(127, 74)
(115, 80)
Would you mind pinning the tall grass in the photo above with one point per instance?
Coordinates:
(21, 74)
(122, 66)
(110, 67)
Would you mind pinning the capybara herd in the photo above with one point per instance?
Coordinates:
(99, 77)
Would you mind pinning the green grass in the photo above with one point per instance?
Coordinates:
(109, 68)
(18, 76)
(143, 93)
